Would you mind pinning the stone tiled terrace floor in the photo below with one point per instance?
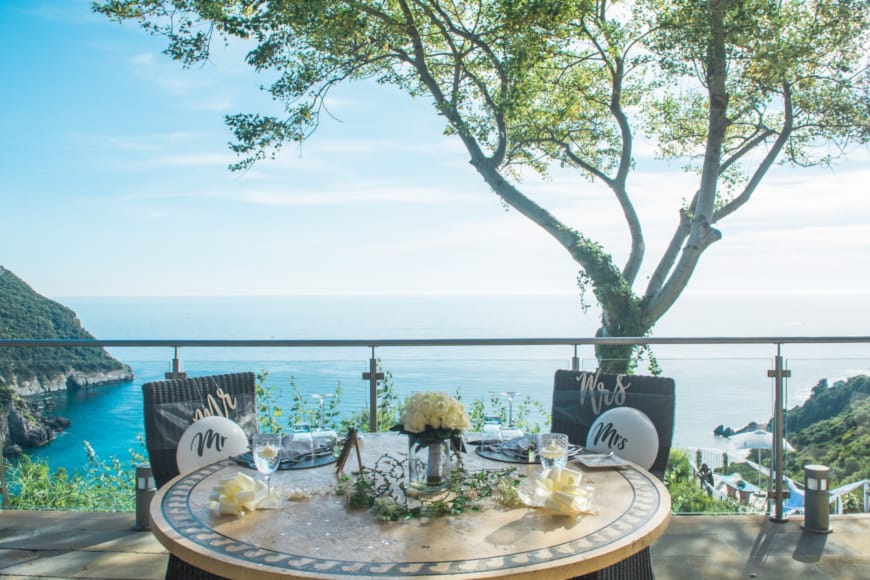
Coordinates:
(104, 545)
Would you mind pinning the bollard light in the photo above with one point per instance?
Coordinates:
(814, 483)
(145, 488)
(816, 499)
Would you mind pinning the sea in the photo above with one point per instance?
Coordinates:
(715, 384)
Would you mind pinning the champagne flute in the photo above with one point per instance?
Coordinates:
(267, 456)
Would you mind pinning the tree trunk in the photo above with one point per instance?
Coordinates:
(623, 319)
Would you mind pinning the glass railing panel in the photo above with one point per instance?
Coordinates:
(716, 385)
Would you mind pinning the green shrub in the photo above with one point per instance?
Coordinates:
(687, 495)
(99, 486)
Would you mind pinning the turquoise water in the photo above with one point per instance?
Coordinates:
(715, 385)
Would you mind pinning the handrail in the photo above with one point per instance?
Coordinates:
(420, 342)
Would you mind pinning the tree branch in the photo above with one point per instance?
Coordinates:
(670, 255)
(766, 163)
(701, 233)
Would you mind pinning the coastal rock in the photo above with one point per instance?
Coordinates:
(722, 431)
(11, 449)
(28, 429)
(70, 379)
(80, 380)
(58, 423)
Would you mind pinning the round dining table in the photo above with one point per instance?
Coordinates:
(319, 536)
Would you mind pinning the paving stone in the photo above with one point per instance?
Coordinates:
(13, 557)
(714, 548)
(64, 545)
(102, 565)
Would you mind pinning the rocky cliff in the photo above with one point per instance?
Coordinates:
(67, 379)
(29, 371)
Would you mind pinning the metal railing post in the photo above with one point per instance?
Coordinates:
(575, 360)
(778, 373)
(373, 376)
(866, 497)
(176, 372)
(4, 489)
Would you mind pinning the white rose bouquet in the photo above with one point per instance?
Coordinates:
(433, 417)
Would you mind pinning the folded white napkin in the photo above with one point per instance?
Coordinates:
(239, 494)
(559, 490)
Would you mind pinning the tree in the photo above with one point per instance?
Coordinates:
(728, 87)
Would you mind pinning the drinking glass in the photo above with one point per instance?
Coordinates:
(491, 435)
(323, 437)
(267, 455)
(321, 399)
(510, 432)
(303, 442)
(553, 449)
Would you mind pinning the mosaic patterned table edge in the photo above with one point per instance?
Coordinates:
(176, 511)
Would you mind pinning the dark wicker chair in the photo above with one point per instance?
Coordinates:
(171, 406)
(573, 414)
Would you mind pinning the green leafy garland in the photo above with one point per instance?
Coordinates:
(382, 488)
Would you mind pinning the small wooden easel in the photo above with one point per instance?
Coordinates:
(352, 441)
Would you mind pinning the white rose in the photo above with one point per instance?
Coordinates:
(414, 421)
(462, 422)
(441, 408)
(456, 417)
(437, 410)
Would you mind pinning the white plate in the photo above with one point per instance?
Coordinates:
(599, 460)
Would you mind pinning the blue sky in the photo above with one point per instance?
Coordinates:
(115, 182)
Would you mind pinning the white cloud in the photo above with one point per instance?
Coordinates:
(144, 142)
(441, 149)
(207, 88)
(144, 59)
(73, 12)
(822, 240)
(189, 160)
(360, 193)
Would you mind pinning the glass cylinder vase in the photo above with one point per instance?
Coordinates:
(428, 466)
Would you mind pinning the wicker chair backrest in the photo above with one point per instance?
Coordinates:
(172, 405)
(579, 397)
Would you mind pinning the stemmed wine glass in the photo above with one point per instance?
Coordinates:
(267, 455)
(323, 436)
(510, 431)
(321, 399)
